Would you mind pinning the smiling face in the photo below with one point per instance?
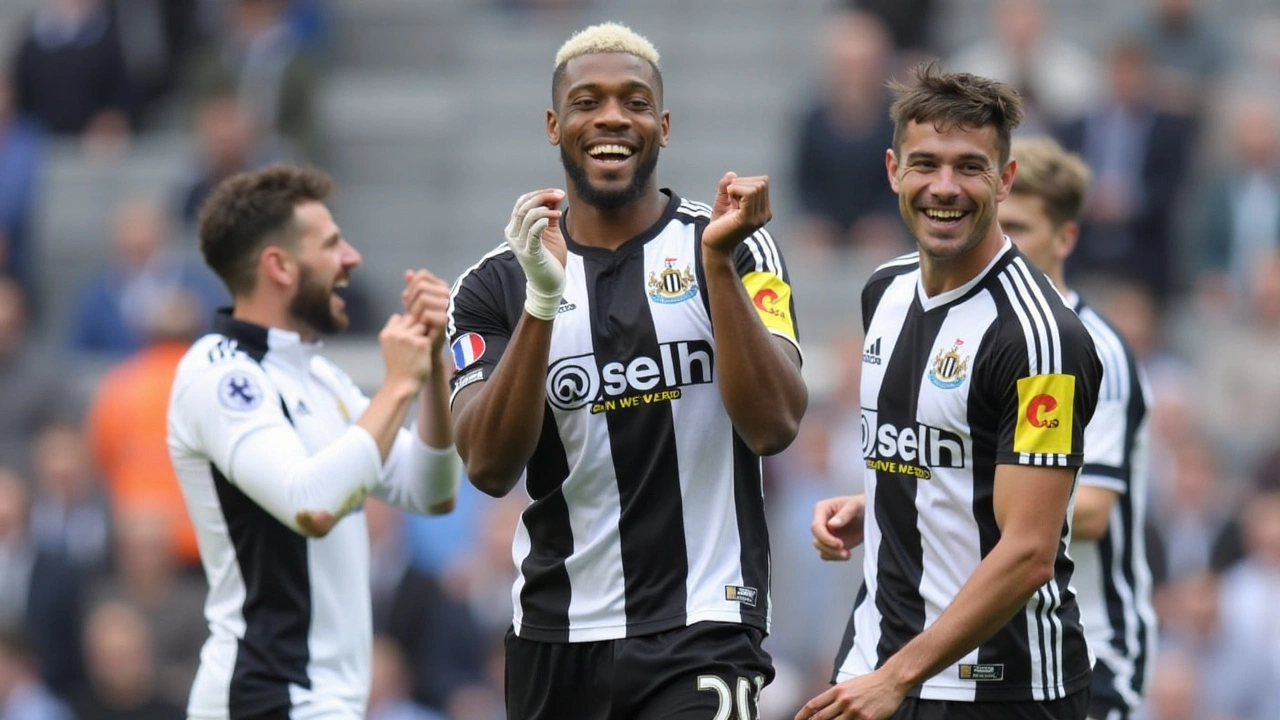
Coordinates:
(325, 261)
(609, 124)
(948, 184)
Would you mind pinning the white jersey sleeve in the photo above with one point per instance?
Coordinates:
(229, 413)
(416, 477)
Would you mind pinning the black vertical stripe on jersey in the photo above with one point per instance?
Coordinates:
(655, 560)
(1011, 641)
(753, 530)
(273, 653)
(850, 633)
(544, 599)
(1075, 651)
(900, 562)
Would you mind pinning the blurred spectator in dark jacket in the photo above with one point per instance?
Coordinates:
(154, 36)
(258, 58)
(1189, 52)
(910, 22)
(21, 154)
(1139, 156)
(70, 74)
(32, 383)
(1240, 219)
(227, 142)
(22, 695)
(69, 515)
(40, 592)
(389, 690)
(121, 669)
(839, 156)
(116, 306)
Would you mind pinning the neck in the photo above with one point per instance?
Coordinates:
(1059, 281)
(940, 275)
(270, 313)
(610, 228)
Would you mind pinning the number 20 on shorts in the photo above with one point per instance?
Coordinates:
(747, 702)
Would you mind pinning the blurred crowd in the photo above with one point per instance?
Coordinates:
(100, 589)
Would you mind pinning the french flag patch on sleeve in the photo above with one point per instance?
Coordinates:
(467, 349)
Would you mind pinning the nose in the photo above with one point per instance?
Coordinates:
(611, 114)
(350, 256)
(944, 185)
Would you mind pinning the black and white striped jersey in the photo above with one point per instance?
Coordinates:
(261, 428)
(1112, 578)
(997, 371)
(647, 509)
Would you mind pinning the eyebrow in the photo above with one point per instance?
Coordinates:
(629, 85)
(917, 155)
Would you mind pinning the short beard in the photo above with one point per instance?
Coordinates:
(603, 199)
(311, 305)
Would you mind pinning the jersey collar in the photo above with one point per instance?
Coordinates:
(937, 301)
(673, 204)
(256, 341)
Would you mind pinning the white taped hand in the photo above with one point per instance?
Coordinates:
(543, 273)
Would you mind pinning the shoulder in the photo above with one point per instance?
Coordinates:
(216, 360)
(1118, 360)
(495, 266)
(1033, 316)
(692, 211)
(886, 272)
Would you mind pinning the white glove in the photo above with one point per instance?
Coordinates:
(543, 273)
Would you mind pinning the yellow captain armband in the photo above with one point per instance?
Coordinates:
(1046, 414)
(772, 297)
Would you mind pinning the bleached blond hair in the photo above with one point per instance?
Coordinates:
(606, 38)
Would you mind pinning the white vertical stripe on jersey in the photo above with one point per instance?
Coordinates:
(712, 539)
(1033, 354)
(945, 504)
(1123, 666)
(762, 240)
(885, 326)
(1040, 302)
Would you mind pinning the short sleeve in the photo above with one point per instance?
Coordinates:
(482, 319)
(764, 273)
(1044, 388)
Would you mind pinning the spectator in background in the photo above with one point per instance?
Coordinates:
(1059, 81)
(910, 22)
(1240, 221)
(32, 383)
(21, 154)
(70, 74)
(258, 59)
(1239, 398)
(126, 424)
(228, 141)
(122, 682)
(437, 634)
(154, 36)
(1139, 155)
(39, 591)
(148, 577)
(118, 304)
(1194, 513)
(22, 695)
(839, 156)
(389, 692)
(69, 517)
(1189, 53)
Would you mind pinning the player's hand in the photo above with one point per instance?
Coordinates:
(838, 525)
(741, 208)
(426, 300)
(534, 236)
(406, 351)
(867, 697)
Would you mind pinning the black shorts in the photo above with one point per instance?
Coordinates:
(690, 673)
(1108, 707)
(1071, 707)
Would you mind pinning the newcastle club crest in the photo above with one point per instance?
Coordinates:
(949, 368)
(672, 285)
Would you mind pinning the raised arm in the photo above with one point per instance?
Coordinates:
(760, 381)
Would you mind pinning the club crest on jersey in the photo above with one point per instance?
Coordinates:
(671, 285)
(238, 391)
(949, 368)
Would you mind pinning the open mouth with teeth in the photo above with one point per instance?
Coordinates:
(339, 286)
(944, 216)
(610, 153)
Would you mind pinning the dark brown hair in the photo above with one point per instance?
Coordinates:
(251, 210)
(1059, 178)
(955, 99)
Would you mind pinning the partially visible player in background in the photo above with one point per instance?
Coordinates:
(633, 356)
(1112, 579)
(276, 449)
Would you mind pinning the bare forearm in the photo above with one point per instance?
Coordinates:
(435, 423)
(498, 426)
(386, 413)
(762, 388)
(996, 591)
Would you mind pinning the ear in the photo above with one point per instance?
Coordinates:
(1068, 235)
(277, 265)
(1006, 179)
(553, 127)
(891, 167)
(666, 128)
